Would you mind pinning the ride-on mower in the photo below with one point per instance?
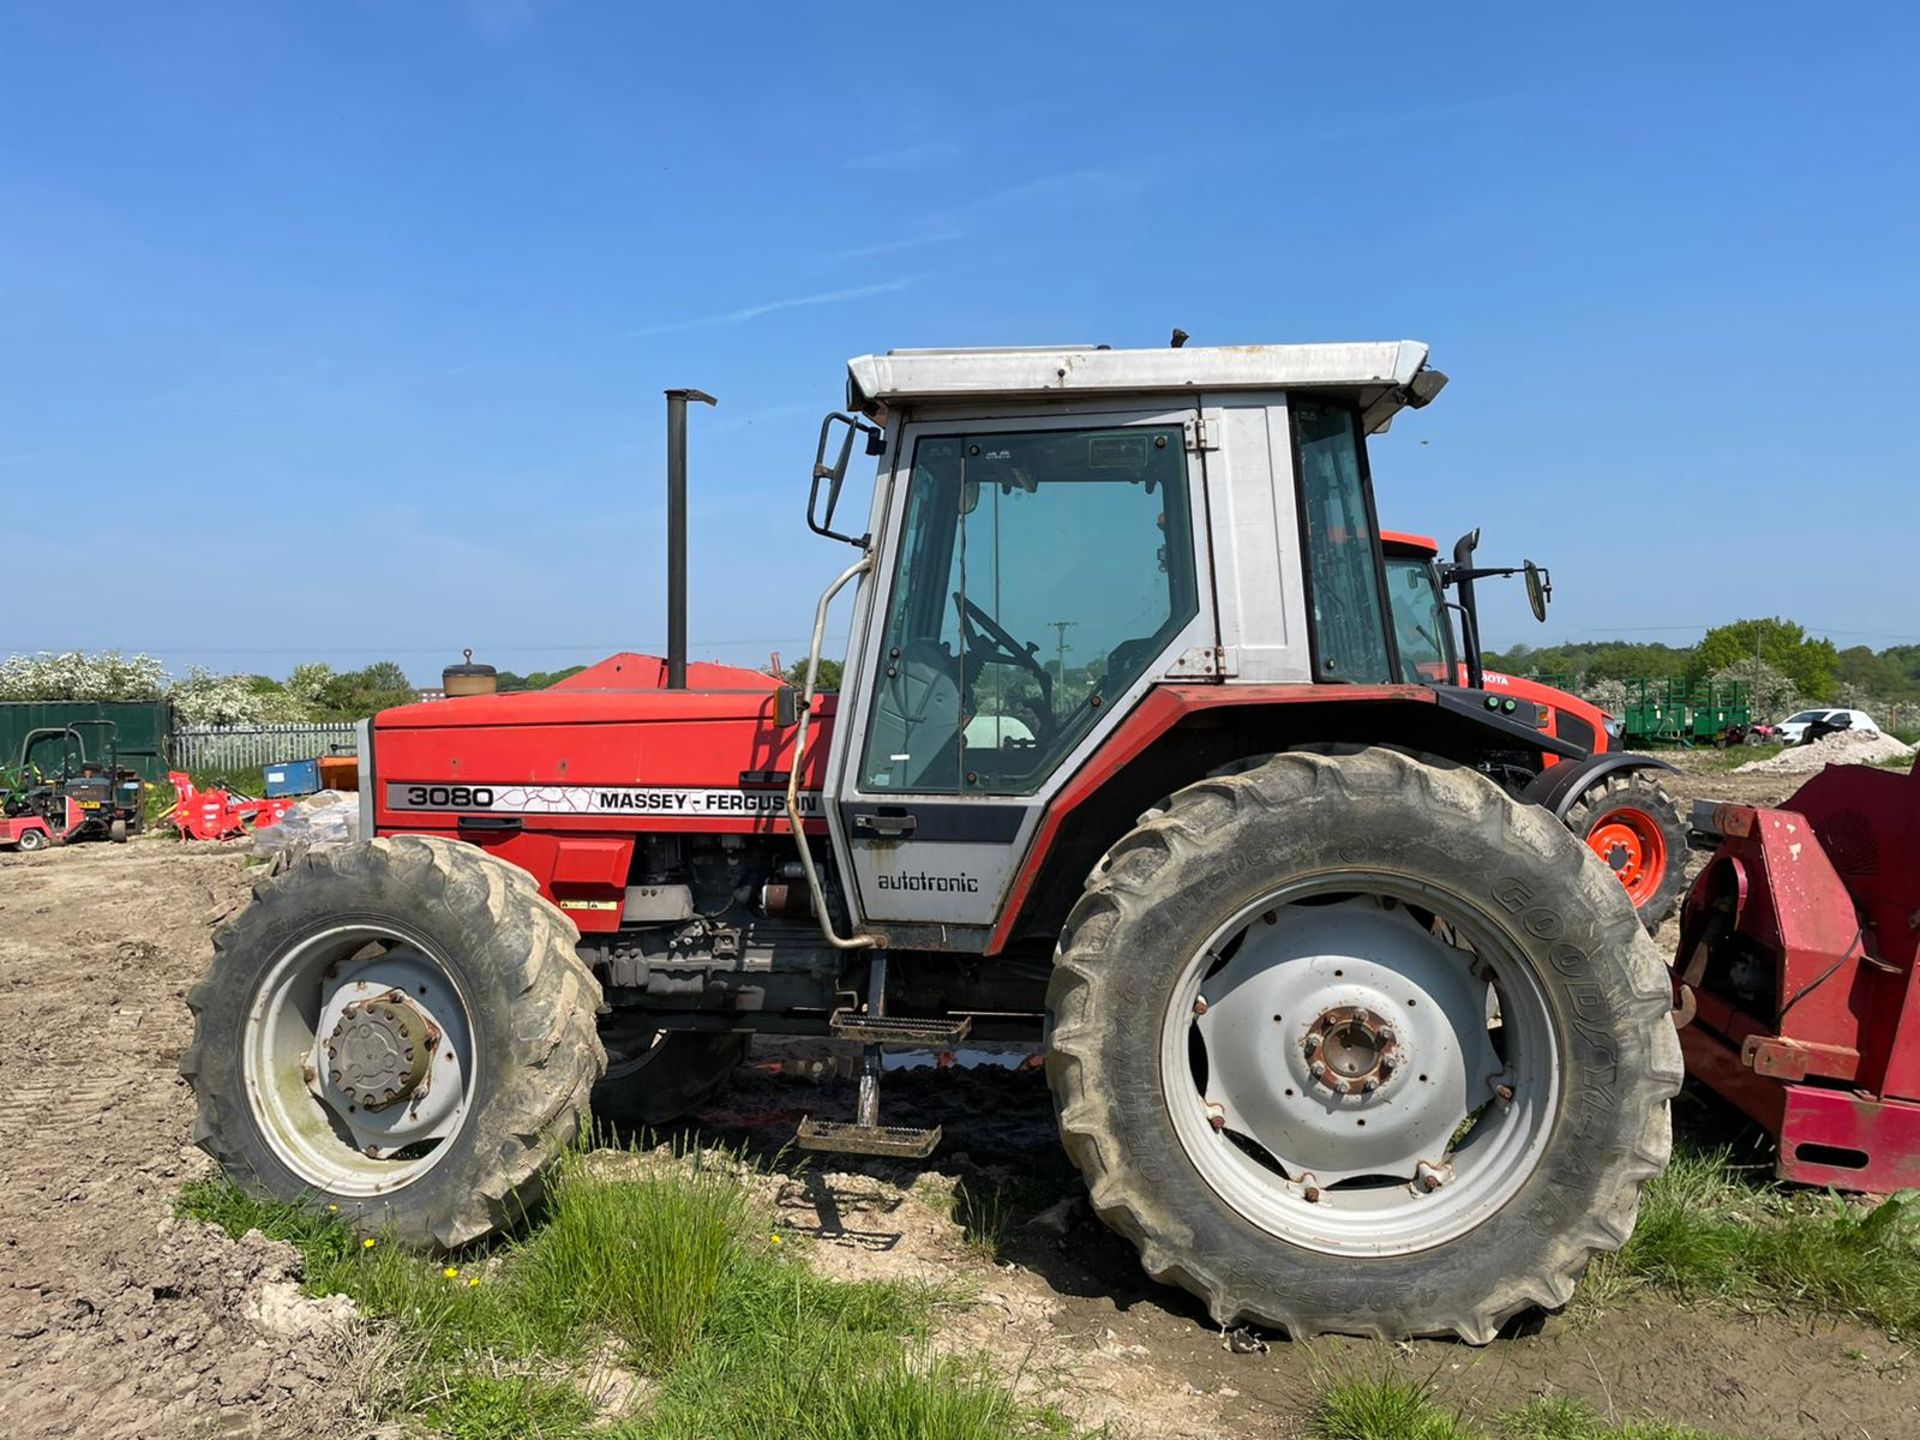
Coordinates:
(1611, 799)
(1341, 1035)
(81, 799)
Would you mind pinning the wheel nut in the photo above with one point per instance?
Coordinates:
(1218, 1122)
(1430, 1182)
(1371, 1086)
(1200, 1005)
(1313, 1042)
(1319, 1069)
(1505, 1092)
(1311, 1194)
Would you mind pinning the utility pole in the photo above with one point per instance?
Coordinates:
(1062, 626)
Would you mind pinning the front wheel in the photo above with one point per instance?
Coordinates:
(1632, 823)
(1359, 1044)
(399, 1030)
(656, 1076)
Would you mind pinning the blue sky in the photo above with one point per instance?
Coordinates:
(338, 329)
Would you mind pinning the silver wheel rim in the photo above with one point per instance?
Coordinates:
(1438, 1064)
(335, 1008)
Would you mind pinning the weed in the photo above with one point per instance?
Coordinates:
(514, 1407)
(1388, 1408)
(1709, 1231)
(675, 1266)
(643, 1259)
(1383, 1409)
(1562, 1419)
(983, 1209)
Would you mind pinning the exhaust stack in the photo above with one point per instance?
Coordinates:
(677, 532)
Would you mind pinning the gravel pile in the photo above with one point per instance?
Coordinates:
(1845, 747)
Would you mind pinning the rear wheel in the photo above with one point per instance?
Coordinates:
(35, 840)
(1354, 1043)
(1634, 826)
(656, 1076)
(399, 1030)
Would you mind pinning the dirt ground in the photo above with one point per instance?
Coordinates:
(120, 1321)
(117, 1319)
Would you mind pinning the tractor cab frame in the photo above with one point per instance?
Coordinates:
(1069, 552)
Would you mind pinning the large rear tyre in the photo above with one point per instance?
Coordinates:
(1632, 823)
(656, 1076)
(400, 1030)
(1358, 1044)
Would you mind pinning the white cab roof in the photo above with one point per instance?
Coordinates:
(1367, 370)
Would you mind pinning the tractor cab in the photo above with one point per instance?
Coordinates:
(1061, 538)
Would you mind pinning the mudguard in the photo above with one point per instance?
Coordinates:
(1558, 786)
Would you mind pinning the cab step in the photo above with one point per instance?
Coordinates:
(908, 1142)
(872, 1029)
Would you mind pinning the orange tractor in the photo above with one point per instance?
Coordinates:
(1612, 799)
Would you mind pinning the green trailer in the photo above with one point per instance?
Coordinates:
(1671, 710)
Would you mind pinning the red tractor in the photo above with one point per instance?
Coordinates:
(1342, 1035)
(1611, 799)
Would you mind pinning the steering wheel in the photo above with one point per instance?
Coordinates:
(973, 620)
(976, 623)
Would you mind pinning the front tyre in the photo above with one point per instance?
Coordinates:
(1632, 823)
(656, 1076)
(1358, 1044)
(400, 1030)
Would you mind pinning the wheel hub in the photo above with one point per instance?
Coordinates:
(390, 1058)
(1344, 1041)
(378, 1054)
(1350, 1050)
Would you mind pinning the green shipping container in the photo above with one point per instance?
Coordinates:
(143, 727)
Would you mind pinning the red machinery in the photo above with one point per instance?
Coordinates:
(30, 832)
(1797, 964)
(220, 814)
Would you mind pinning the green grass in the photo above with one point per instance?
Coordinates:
(513, 1407)
(983, 1209)
(1711, 1230)
(1383, 1409)
(673, 1270)
(1388, 1408)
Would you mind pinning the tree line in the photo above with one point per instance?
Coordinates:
(311, 692)
(1813, 668)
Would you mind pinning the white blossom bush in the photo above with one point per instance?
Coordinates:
(204, 698)
(76, 675)
(1775, 695)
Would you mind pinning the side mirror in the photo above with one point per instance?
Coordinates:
(1539, 589)
(834, 472)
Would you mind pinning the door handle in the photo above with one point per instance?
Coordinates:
(886, 827)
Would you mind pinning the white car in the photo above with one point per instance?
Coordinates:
(1792, 729)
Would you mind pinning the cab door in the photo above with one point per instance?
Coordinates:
(1037, 575)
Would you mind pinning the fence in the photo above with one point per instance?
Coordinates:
(239, 747)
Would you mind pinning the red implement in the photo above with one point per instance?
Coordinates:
(220, 814)
(1797, 957)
